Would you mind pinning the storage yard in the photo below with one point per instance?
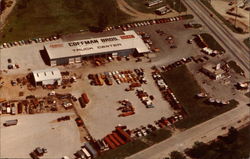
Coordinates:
(87, 106)
(39, 130)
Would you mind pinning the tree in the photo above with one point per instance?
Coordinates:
(177, 155)
(102, 21)
(198, 150)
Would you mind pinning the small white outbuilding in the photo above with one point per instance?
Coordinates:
(48, 76)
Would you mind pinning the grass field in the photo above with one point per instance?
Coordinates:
(233, 65)
(185, 87)
(141, 5)
(247, 42)
(137, 145)
(41, 18)
(227, 23)
(211, 42)
(247, 94)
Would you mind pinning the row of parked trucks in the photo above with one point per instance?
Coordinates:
(119, 77)
(87, 152)
(166, 91)
(118, 137)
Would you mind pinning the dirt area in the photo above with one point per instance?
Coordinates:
(6, 12)
(222, 6)
(39, 131)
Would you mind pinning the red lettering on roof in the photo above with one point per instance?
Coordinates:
(56, 45)
(127, 36)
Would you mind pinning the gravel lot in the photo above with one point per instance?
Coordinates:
(39, 130)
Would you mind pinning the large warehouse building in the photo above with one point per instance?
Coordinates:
(74, 51)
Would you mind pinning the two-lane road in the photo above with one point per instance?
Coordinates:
(204, 132)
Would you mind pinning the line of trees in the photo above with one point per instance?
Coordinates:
(235, 145)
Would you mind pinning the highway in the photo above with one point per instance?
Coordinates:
(221, 32)
(210, 129)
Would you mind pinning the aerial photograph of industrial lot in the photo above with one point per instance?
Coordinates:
(116, 79)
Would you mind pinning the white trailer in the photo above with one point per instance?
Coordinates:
(86, 152)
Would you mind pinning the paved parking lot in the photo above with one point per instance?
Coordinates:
(101, 115)
(40, 130)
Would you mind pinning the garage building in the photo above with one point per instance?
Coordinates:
(74, 51)
(48, 76)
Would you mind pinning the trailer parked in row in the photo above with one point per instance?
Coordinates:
(10, 122)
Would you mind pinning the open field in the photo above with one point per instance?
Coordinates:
(233, 65)
(211, 42)
(248, 94)
(247, 42)
(41, 18)
(39, 130)
(184, 86)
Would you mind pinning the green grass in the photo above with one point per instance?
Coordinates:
(211, 42)
(233, 65)
(247, 94)
(158, 136)
(227, 23)
(185, 87)
(247, 42)
(124, 151)
(41, 18)
(178, 6)
(140, 5)
(136, 145)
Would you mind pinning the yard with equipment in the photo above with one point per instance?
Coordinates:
(185, 87)
(41, 18)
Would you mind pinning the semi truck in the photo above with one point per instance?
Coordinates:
(86, 152)
(123, 134)
(118, 138)
(111, 145)
(90, 149)
(10, 122)
(114, 140)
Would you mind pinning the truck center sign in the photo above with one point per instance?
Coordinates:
(98, 47)
(95, 41)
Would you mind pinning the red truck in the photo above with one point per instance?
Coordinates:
(111, 145)
(126, 114)
(114, 140)
(123, 134)
(85, 98)
(118, 138)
